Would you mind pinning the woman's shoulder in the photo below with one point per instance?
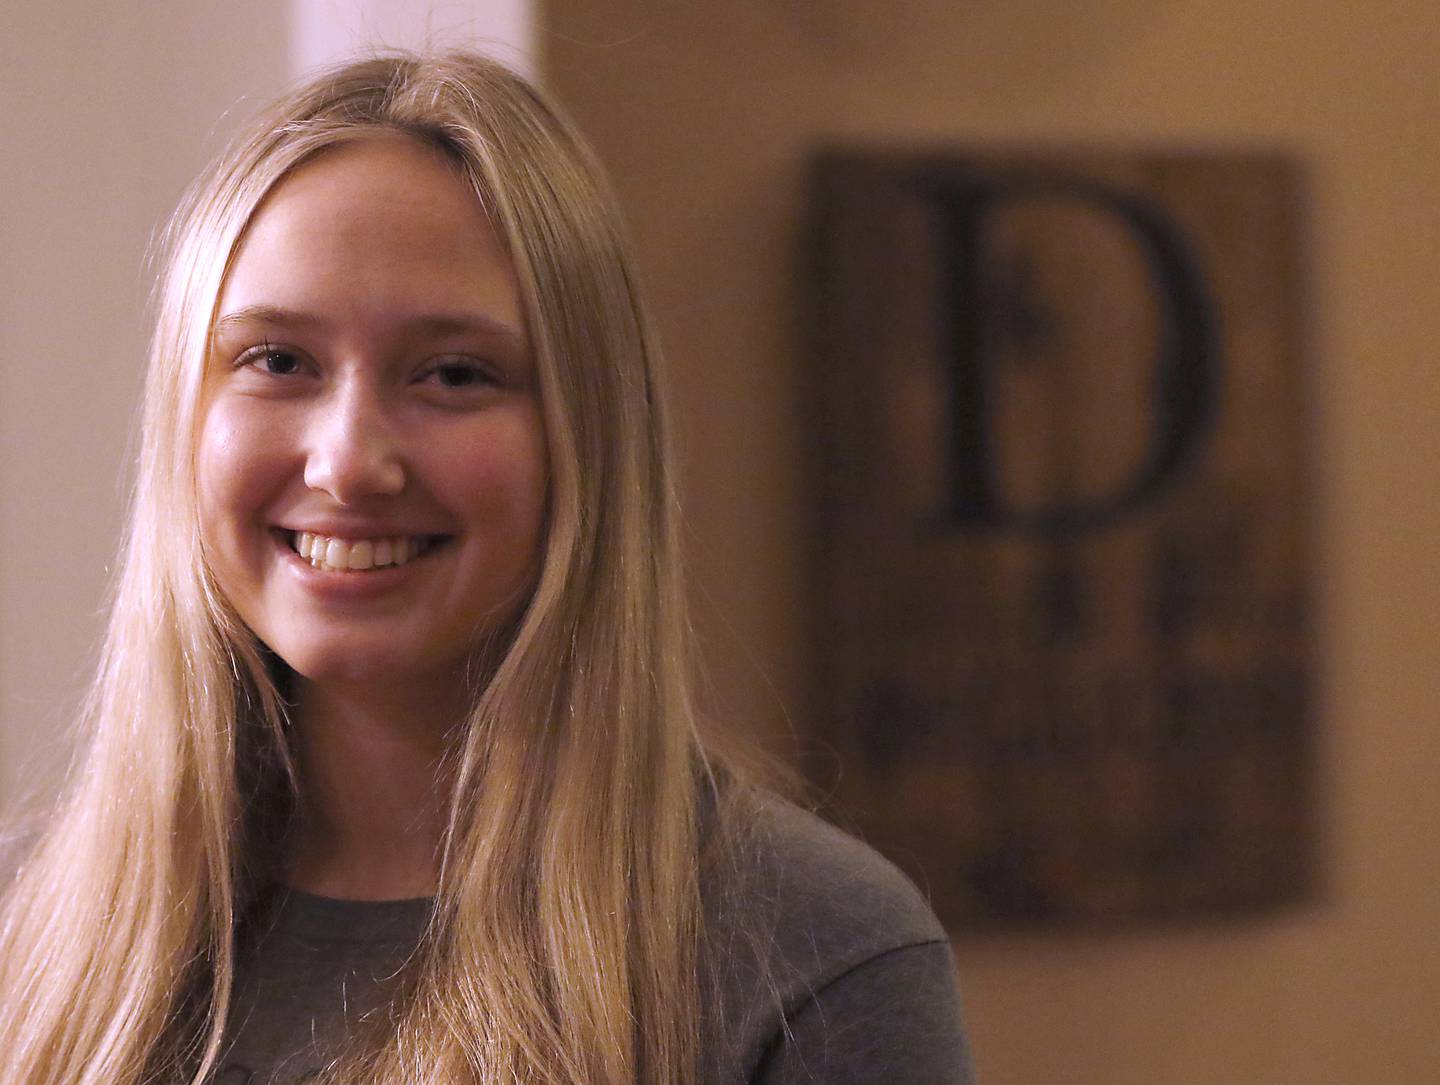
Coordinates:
(803, 919)
(815, 889)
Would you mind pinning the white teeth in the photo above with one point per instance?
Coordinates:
(362, 555)
(355, 555)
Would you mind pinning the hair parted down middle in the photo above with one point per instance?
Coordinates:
(564, 943)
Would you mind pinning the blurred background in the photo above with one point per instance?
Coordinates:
(707, 114)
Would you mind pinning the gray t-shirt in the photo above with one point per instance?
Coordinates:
(823, 966)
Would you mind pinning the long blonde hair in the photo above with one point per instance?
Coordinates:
(564, 943)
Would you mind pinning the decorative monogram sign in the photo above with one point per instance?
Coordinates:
(1061, 612)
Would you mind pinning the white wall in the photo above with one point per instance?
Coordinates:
(321, 30)
(106, 112)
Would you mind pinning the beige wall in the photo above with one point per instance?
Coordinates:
(706, 112)
(106, 111)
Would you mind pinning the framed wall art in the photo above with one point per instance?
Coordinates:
(1061, 607)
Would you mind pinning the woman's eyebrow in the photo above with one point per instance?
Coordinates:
(265, 314)
(433, 324)
(440, 324)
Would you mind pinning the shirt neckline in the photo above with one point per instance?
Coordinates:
(309, 917)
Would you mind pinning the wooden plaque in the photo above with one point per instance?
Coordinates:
(1061, 613)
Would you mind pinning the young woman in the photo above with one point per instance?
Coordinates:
(394, 773)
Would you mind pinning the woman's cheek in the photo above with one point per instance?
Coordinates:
(237, 467)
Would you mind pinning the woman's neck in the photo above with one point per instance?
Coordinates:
(373, 793)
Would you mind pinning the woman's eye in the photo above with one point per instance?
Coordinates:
(276, 361)
(459, 374)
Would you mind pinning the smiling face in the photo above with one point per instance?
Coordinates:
(371, 461)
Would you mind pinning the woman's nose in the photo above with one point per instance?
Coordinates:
(353, 453)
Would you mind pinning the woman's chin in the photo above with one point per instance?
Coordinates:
(381, 670)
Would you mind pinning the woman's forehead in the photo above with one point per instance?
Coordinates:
(373, 226)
